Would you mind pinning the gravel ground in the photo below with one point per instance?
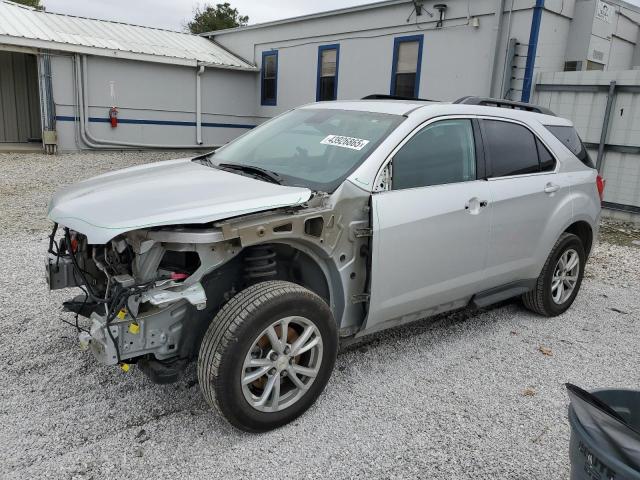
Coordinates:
(467, 395)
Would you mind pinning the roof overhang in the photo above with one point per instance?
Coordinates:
(34, 45)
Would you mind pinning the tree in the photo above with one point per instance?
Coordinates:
(211, 18)
(30, 3)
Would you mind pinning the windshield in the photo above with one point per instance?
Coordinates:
(313, 148)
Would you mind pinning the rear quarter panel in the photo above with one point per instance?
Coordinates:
(582, 202)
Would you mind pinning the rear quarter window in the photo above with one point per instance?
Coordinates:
(570, 138)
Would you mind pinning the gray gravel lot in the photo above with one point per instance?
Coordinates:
(439, 399)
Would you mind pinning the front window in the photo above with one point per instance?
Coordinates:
(441, 153)
(313, 148)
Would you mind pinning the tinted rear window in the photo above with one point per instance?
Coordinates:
(511, 148)
(572, 141)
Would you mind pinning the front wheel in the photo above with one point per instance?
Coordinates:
(268, 355)
(560, 279)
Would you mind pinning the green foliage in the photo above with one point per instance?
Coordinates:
(219, 17)
(30, 3)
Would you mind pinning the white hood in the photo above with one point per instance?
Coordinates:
(165, 193)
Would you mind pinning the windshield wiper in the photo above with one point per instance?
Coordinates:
(256, 171)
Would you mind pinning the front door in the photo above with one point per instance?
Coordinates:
(431, 228)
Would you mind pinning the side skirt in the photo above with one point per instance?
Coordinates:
(503, 292)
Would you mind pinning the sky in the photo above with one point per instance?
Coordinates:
(173, 14)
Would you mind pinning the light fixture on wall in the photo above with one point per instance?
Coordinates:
(441, 8)
(418, 6)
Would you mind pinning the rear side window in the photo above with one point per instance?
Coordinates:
(547, 162)
(572, 141)
(511, 148)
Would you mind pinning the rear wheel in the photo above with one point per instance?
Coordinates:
(560, 279)
(268, 355)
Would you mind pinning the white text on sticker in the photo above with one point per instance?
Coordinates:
(345, 142)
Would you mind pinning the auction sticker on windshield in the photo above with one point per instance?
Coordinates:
(345, 142)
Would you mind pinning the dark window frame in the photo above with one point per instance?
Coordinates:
(394, 66)
(536, 139)
(323, 48)
(263, 100)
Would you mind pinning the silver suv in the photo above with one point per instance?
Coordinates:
(331, 221)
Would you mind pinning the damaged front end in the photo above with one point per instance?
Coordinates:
(138, 290)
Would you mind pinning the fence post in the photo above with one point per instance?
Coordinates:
(611, 95)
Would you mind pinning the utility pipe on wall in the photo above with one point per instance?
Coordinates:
(199, 106)
(97, 143)
(493, 88)
(536, 18)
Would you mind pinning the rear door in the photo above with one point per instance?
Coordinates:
(526, 193)
(431, 229)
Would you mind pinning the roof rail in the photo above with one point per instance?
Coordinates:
(380, 96)
(495, 102)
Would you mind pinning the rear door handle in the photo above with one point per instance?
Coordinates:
(551, 188)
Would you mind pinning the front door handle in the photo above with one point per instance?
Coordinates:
(474, 205)
(551, 188)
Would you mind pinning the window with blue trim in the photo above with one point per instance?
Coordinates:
(327, 83)
(269, 77)
(407, 60)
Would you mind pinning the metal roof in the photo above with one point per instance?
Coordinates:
(23, 26)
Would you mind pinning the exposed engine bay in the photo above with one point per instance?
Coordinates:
(150, 294)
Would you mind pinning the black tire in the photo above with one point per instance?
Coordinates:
(232, 333)
(539, 299)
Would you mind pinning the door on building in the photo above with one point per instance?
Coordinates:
(431, 230)
(19, 99)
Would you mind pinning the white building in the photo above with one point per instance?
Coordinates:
(64, 74)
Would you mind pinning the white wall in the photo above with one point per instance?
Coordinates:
(158, 93)
(456, 60)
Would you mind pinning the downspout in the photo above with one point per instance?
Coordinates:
(199, 106)
(493, 89)
(90, 140)
(80, 102)
(533, 48)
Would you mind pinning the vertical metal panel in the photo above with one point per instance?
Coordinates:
(20, 96)
(33, 97)
(588, 99)
(9, 112)
(19, 102)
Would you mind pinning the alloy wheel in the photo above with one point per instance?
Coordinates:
(281, 364)
(565, 276)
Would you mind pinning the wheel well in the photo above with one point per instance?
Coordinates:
(255, 264)
(583, 231)
(296, 266)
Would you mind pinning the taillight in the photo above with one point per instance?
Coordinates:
(600, 183)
